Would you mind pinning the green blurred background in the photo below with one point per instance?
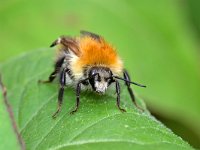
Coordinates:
(158, 41)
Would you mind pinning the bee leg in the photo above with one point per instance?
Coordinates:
(127, 77)
(78, 91)
(60, 99)
(61, 92)
(53, 75)
(51, 78)
(118, 96)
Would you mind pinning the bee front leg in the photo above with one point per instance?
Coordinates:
(61, 92)
(78, 91)
(118, 96)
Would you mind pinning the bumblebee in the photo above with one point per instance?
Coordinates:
(88, 62)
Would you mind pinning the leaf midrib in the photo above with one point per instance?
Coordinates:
(112, 141)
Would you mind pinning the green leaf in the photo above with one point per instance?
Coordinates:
(8, 137)
(98, 124)
(155, 39)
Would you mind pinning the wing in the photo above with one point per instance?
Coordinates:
(69, 44)
(90, 34)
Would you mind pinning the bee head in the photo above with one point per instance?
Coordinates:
(100, 79)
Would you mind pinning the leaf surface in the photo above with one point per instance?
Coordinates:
(98, 124)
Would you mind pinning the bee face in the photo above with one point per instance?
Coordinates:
(101, 80)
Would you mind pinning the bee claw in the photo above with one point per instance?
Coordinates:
(54, 116)
(56, 113)
(43, 81)
(73, 111)
(122, 110)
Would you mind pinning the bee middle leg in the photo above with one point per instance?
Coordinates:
(78, 91)
(53, 75)
(127, 77)
(61, 92)
(118, 96)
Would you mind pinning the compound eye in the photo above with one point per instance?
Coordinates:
(98, 78)
(93, 72)
(110, 72)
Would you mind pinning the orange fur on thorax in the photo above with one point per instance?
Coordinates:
(97, 53)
